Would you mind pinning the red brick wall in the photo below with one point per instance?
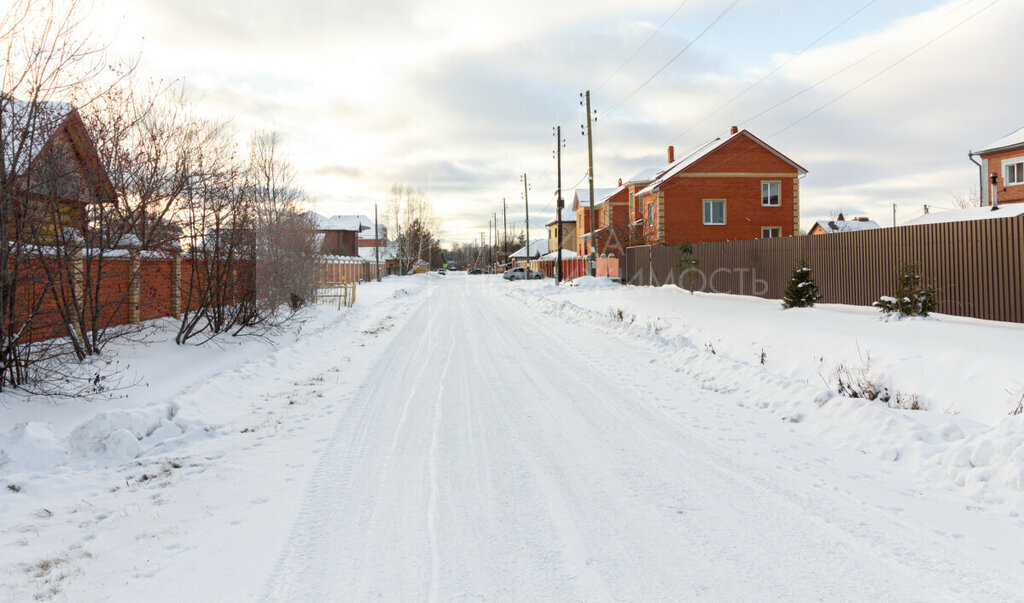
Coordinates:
(733, 172)
(1004, 194)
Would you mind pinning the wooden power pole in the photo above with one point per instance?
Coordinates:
(590, 177)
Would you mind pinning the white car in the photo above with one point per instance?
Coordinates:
(516, 274)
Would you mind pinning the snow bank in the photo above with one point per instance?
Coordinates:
(30, 448)
(120, 435)
(957, 370)
(592, 282)
(108, 437)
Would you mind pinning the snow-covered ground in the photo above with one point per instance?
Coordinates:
(465, 437)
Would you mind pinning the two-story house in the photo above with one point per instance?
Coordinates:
(566, 221)
(581, 206)
(339, 235)
(734, 188)
(52, 172)
(1002, 170)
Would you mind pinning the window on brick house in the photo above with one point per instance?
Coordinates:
(1014, 172)
(650, 214)
(714, 211)
(771, 232)
(770, 193)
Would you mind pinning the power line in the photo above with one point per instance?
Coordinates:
(903, 58)
(679, 54)
(819, 82)
(776, 69)
(642, 46)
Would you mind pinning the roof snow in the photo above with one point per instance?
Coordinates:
(386, 253)
(537, 247)
(1015, 139)
(38, 120)
(349, 223)
(681, 164)
(582, 196)
(566, 215)
(837, 226)
(567, 254)
(648, 175)
(1008, 210)
(367, 235)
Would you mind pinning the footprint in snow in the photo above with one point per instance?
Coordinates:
(259, 501)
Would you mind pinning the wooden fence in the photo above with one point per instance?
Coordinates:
(976, 267)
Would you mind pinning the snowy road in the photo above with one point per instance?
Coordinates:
(501, 454)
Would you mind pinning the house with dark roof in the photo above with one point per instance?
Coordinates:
(733, 188)
(1002, 170)
(51, 172)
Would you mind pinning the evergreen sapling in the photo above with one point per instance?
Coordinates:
(801, 292)
(910, 299)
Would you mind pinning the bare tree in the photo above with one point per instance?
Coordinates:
(46, 55)
(966, 200)
(286, 243)
(410, 215)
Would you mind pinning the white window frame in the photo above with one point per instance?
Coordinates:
(766, 198)
(650, 215)
(769, 229)
(704, 215)
(1014, 164)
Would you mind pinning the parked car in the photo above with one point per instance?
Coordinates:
(441, 271)
(478, 271)
(516, 274)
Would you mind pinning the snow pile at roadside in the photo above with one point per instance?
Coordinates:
(123, 434)
(30, 447)
(786, 362)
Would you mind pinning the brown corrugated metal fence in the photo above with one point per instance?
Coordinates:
(976, 268)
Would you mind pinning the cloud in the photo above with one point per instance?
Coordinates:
(458, 97)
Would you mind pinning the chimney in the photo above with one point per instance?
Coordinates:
(733, 130)
(620, 181)
(671, 154)
(865, 219)
(841, 218)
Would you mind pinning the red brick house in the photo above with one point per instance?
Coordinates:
(733, 188)
(581, 205)
(611, 224)
(1002, 170)
(53, 170)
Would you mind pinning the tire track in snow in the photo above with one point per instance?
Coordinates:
(435, 555)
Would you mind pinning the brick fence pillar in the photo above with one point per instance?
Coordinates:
(176, 286)
(134, 286)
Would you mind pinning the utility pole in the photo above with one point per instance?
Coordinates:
(494, 215)
(526, 198)
(376, 241)
(590, 177)
(561, 203)
(894, 215)
(504, 221)
(490, 227)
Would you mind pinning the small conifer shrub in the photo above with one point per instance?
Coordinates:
(911, 298)
(801, 292)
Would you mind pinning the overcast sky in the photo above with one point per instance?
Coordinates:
(459, 97)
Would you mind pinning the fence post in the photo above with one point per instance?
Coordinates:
(176, 286)
(77, 286)
(134, 287)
